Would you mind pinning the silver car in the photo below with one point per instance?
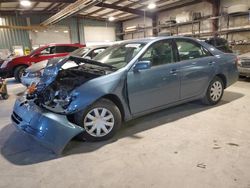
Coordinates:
(244, 64)
(33, 73)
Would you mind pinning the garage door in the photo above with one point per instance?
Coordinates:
(56, 35)
(96, 35)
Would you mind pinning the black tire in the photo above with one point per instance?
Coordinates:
(18, 73)
(80, 118)
(208, 99)
(5, 96)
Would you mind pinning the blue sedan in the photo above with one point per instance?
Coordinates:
(91, 98)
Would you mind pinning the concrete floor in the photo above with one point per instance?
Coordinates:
(186, 146)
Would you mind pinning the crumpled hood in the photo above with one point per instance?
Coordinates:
(42, 64)
(53, 67)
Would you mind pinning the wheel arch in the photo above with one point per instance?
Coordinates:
(115, 99)
(19, 65)
(223, 78)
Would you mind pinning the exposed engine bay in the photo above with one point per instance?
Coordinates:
(57, 95)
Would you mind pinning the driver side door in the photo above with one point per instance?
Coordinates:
(157, 86)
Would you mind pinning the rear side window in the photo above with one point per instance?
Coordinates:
(191, 50)
(65, 49)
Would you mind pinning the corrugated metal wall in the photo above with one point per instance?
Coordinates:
(13, 37)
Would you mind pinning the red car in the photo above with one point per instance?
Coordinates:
(15, 66)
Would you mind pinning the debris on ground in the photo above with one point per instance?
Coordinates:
(201, 165)
(233, 144)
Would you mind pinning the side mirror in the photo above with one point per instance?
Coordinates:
(142, 65)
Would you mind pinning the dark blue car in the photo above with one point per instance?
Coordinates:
(91, 98)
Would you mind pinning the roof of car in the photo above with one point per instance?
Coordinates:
(149, 39)
(98, 46)
(56, 44)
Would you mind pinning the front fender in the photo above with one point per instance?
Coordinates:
(94, 89)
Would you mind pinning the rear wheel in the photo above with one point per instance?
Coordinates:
(19, 72)
(5, 96)
(100, 121)
(214, 92)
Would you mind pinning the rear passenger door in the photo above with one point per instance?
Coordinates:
(196, 67)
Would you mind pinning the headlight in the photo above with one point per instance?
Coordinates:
(35, 74)
(5, 63)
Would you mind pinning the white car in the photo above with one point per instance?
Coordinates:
(244, 64)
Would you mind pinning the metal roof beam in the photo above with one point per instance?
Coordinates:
(126, 9)
(46, 1)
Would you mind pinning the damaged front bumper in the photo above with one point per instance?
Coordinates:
(52, 130)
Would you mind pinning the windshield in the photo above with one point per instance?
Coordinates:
(119, 55)
(35, 51)
(80, 52)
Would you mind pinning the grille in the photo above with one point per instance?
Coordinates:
(245, 64)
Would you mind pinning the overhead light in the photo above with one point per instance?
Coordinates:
(66, 31)
(56, 31)
(151, 5)
(111, 18)
(131, 28)
(36, 31)
(25, 3)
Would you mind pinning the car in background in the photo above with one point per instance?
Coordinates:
(33, 73)
(219, 43)
(244, 64)
(16, 66)
(136, 77)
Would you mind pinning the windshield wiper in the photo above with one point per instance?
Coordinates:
(80, 60)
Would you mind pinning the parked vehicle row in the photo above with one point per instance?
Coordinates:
(91, 98)
(15, 66)
(244, 64)
(33, 73)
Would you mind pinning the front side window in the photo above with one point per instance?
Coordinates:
(48, 50)
(190, 50)
(159, 53)
(119, 55)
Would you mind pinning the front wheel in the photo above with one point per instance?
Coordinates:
(214, 92)
(19, 72)
(100, 121)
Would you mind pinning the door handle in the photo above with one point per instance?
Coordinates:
(211, 63)
(174, 71)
